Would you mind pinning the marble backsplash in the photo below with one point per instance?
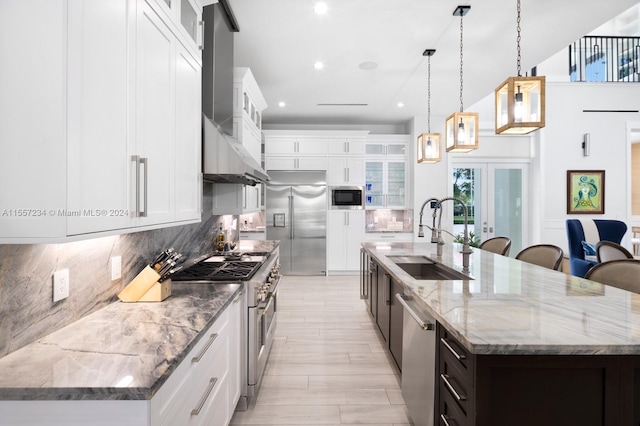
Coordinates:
(27, 310)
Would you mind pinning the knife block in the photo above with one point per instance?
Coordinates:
(158, 292)
(146, 288)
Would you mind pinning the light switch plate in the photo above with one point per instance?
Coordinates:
(116, 268)
(60, 285)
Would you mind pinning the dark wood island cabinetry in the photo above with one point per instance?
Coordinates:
(518, 344)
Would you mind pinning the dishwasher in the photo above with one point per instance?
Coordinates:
(418, 361)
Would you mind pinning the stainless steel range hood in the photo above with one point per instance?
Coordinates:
(225, 160)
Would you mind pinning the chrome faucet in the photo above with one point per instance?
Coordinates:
(466, 249)
(434, 237)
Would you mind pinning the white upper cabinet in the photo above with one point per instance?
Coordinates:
(184, 18)
(314, 150)
(99, 129)
(248, 105)
(118, 148)
(346, 162)
(33, 130)
(387, 172)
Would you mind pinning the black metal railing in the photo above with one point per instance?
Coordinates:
(605, 58)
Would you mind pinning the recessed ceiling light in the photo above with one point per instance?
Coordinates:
(400, 104)
(282, 104)
(318, 65)
(320, 8)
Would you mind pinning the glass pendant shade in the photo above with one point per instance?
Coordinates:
(429, 148)
(461, 132)
(520, 105)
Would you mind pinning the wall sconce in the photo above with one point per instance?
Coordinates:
(429, 143)
(586, 144)
(461, 127)
(520, 101)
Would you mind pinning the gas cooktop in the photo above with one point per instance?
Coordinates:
(223, 267)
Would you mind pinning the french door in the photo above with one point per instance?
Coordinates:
(494, 193)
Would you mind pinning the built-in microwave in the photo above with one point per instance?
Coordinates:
(347, 197)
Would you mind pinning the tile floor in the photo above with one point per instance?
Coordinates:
(328, 365)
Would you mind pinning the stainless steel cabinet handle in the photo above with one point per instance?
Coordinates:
(201, 45)
(291, 216)
(491, 229)
(423, 324)
(348, 176)
(444, 419)
(145, 161)
(384, 288)
(448, 346)
(344, 175)
(207, 392)
(456, 395)
(212, 338)
(136, 160)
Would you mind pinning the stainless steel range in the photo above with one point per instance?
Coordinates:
(261, 273)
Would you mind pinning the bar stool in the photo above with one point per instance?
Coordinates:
(635, 240)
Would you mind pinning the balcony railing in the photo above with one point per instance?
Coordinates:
(603, 58)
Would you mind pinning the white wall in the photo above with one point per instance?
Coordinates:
(560, 148)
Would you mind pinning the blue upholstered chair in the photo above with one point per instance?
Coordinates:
(608, 230)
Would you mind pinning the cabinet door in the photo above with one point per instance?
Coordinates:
(384, 291)
(280, 163)
(188, 193)
(345, 171)
(251, 198)
(311, 163)
(237, 364)
(155, 112)
(395, 323)
(278, 146)
(345, 232)
(396, 183)
(33, 118)
(345, 146)
(312, 146)
(336, 249)
(353, 238)
(337, 171)
(374, 189)
(98, 136)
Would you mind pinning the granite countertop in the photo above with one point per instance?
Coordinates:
(124, 351)
(515, 308)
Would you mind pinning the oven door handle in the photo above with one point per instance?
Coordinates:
(265, 310)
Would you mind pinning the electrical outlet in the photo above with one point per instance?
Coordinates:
(116, 268)
(60, 284)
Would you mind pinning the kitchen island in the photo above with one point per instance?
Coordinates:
(521, 344)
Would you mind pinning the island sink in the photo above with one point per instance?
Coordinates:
(423, 268)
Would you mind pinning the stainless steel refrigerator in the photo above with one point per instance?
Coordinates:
(296, 214)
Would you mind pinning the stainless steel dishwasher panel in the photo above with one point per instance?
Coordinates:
(418, 362)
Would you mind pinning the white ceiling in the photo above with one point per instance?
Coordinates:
(281, 39)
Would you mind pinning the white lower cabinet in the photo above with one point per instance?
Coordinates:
(345, 232)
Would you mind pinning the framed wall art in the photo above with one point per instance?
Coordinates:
(585, 191)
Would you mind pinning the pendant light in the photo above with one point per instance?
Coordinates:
(429, 143)
(520, 100)
(461, 127)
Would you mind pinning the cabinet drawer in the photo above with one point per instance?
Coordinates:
(456, 372)
(450, 347)
(195, 370)
(449, 412)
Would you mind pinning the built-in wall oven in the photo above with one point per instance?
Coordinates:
(261, 273)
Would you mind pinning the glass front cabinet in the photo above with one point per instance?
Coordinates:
(386, 174)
